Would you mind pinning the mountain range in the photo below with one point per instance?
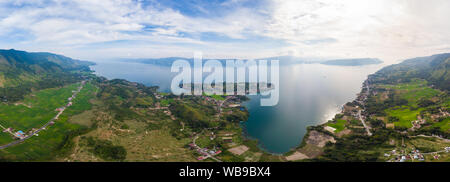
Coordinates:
(284, 60)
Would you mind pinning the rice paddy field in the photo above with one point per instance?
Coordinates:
(413, 92)
(405, 115)
(36, 110)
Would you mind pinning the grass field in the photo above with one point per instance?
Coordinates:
(404, 114)
(218, 97)
(443, 125)
(156, 145)
(203, 141)
(36, 109)
(5, 138)
(414, 91)
(140, 143)
(50, 142)
(414, 84)
(84, 119)
(165, 102)
(339, 125)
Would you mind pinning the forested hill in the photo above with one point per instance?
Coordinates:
(36, 63)
(434, 69)
(22, 71)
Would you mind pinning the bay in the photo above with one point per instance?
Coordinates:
(310, 94)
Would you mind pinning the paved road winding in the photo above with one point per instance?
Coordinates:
(364, 123)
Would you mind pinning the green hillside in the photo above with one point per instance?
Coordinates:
(21, 72)
(434, 69)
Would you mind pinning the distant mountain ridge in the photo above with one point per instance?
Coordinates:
(352, 62)
(169, 60)
(284, 60)
(39, 60)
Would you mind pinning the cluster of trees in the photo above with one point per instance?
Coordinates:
(193, 117)
(67, 143)
(237, 116)
(106, 150)
(377, 108)
(121, 112)
(425, 103)
(352, 147)
(376, 123)
(432, 131)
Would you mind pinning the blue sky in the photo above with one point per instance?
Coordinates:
(102, 29)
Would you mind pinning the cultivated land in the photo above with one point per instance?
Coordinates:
(50, 141)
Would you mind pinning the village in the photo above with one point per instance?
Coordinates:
(229, 103)
(211, 137)
(225, 138)
(413, 155)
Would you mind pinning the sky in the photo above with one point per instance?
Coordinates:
(391, 30)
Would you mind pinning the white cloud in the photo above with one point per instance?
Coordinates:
(362, 28)
(388, 29)
(87, 21)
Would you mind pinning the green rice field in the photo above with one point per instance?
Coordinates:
(40, 108)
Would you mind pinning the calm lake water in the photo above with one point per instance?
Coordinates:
(310, 94)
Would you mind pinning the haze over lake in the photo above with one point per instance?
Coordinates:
(310, 94)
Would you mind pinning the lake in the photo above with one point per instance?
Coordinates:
(310, 94)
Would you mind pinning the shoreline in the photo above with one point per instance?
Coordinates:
(295, 152)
